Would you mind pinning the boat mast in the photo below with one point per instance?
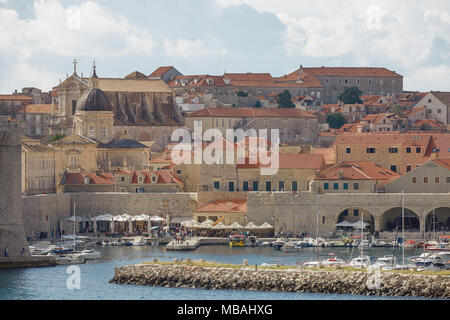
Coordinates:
(362, 235)
(317, 231)
(74, 227)
(403, 227)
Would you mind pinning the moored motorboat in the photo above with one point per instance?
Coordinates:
(88, 254)
(289, 247)
(360, 262)
(385, 263)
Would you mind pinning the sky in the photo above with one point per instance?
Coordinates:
(41, 38)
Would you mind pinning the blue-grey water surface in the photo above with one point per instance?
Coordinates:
(50, 283)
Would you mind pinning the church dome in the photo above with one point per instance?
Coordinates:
(94, 100)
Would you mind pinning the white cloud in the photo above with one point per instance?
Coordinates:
(396, 34)
(85, 30)
(189, 49)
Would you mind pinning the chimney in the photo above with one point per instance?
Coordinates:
(359, 129)
(341, 174)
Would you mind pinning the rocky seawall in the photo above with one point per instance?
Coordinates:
(293, 280)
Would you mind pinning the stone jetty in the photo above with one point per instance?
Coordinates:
(284, 280)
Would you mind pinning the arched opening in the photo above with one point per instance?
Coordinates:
(391, 220)
(438, 220)
(354, 215)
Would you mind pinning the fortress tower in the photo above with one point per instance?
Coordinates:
(12, 234)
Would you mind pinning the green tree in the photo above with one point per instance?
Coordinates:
(57, 137)
(241, 93)
(351, 95)
(258, 104)
(285, 100)
(336, 120)
(398, 110)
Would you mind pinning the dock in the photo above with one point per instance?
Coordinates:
(27, 262)
(194, 243)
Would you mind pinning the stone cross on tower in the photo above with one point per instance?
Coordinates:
(75, 66)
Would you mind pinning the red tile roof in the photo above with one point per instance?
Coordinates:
(15, 97)
(225, 206)
(404, 139)
(443, 163)
(292, 161)
(160, 71)
(38, 108)
(351, 72)
(251, 112)
(357, 170)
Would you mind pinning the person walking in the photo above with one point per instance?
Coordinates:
(6, 252)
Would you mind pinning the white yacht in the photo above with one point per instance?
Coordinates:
(289, 247)
(436, 264)
(384, 263)
(139, 241)
(88, 254)
(360, 262)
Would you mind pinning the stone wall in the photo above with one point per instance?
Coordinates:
(294, 213)
(44, 213)
(12, 234)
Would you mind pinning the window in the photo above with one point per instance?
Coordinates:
(281, 185)
(414, 179)
(323, 219)
(216, 185)
(122, 179)
(153, 179)
(255, 186)
(165, 203)
(370, 150)
(356, 186)
(370, 81)
(91, 131)
(418, 150)
(336, 186)
(408, 150)
(393, 150)
(231, 186)
(356, 212)
(436, 180)
(439, 111)
(425, 179)
(73, 161)
(348, 150)
(326, 186)
(345, 186)
(140, 179)
(294, 186)
(103, 132)
(408, 168)
(429, 100)
(245, 186)
(394, 168)
(346, 81)
(178, 171)
(268, 186)
(447, 179)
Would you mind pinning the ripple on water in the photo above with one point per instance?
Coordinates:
(51, 283)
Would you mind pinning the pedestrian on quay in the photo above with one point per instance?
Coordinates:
(6, 252)
(22, 252)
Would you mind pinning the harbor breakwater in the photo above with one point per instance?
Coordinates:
(287, 280)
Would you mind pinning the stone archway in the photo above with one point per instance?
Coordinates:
(391, 220)
(354, 214)
(438, 219)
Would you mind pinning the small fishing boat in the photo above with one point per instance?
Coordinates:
(360, 262)
(88, 254)
(289, 247)
(277, 245)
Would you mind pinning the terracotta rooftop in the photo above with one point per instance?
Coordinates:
(292, 161)
(351, 72)
(357, 170)
(15, 97)
(251, 112)
(160, 71)
(393, 139)
(225, 206)
(443, 163)
(38, 108)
